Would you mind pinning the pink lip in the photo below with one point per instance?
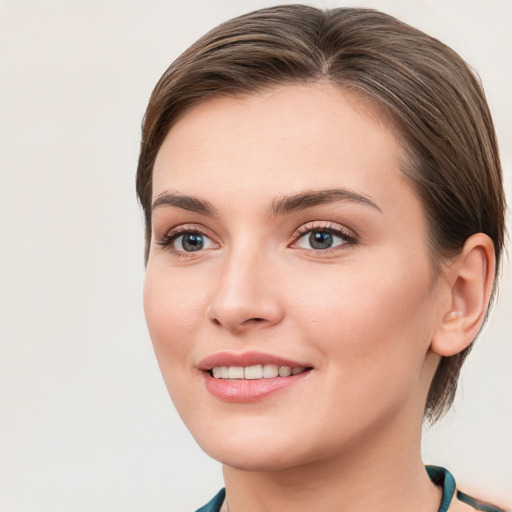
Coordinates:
(247, 390)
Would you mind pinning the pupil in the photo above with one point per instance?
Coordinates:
(320, 240)
(192, 242)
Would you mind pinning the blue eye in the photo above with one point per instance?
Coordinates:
(189, 242)
(322, 239)
(186, 241)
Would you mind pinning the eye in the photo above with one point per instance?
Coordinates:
(319, 240)
(182, 240)
(190, 242)
(322, 238)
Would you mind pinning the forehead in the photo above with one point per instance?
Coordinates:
(281, 141)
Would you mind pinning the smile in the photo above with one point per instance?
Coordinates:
(267, 371)
(250, 376)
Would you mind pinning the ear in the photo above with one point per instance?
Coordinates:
(470, 277)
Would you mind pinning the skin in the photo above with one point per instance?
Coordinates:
(370, 317)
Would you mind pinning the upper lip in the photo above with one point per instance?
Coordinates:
(246, 359)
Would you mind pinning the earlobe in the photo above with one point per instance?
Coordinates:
(470, 277)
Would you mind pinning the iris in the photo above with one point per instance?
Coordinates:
(320, 239)
(192, 242)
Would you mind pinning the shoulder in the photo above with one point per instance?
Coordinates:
(215, 504)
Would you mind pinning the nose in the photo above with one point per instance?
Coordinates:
(247, 293)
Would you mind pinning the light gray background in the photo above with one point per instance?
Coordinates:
(85, 420)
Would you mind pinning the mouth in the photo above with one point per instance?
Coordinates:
(250, 376)
(267, 371)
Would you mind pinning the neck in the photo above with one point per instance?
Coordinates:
(385, 474)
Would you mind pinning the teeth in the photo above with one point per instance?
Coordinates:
(253, 372)
(220, 372)
(267, 371)
(285, 371)
(236, 372)
(270, 371)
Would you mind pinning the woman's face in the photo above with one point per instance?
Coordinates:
(285, 239)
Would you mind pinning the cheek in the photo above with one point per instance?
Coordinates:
(171, 307)
(374, 333)
(370, 319)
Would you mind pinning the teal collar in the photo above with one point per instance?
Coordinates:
(444, 479)
(439, 476)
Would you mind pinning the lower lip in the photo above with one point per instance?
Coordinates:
(249, 390)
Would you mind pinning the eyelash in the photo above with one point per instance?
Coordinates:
(349, 239)
(168, 238)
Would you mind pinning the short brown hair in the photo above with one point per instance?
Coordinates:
(434, 99)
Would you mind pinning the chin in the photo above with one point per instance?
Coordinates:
(252, 451)
(258, 459)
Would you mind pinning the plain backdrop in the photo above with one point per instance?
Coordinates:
(85, 420)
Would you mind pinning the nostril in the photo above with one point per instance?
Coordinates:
(246, 323)
(253, 320)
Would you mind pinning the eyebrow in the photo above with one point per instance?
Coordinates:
(279, 206)
(192, 204)
(308, 199)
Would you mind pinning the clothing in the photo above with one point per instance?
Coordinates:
(215, 504)
(440, 476)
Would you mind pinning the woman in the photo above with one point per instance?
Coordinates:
(324, 218)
